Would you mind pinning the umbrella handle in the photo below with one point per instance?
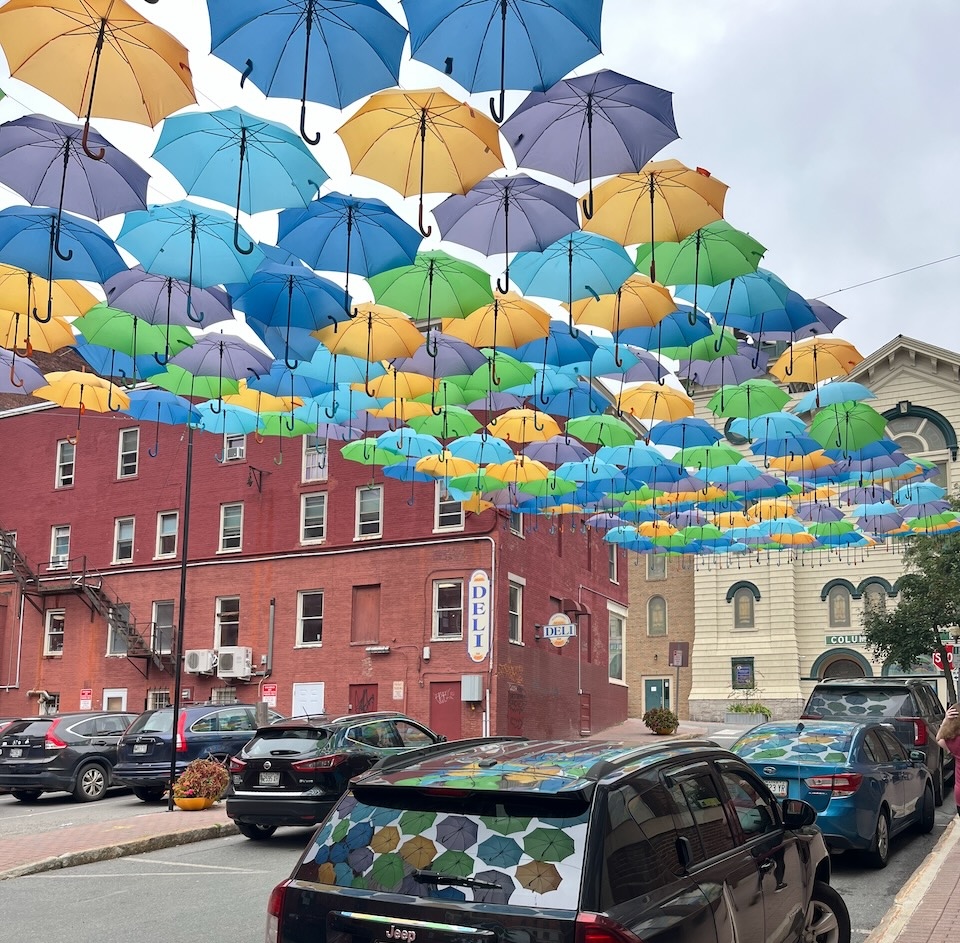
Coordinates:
(310, 139)
(288, 422)
(236, 244)
(498, 116)
(503, 289)
(586, 205)
(278, 460)
(13, 376)
(155, 450)
(84, 141)
(220, 457)
(128, 383)
(429, 229)
(249, 63)
(219, 407)
(258, 436)
(289, 365)
(756, 359)
(56, 246)
(535, 426)
(163, 361)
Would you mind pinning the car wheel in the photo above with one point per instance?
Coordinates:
(149, 793)
(827, 919)
(92, 782)
(938, 785)
(256, 832)
(927, 812)
(26, 795)
(879, 853)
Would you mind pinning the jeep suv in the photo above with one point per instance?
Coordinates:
(909, 706)
(145, 751)
(68, 752)
(491, 839)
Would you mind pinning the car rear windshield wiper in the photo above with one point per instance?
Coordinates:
(453, 880)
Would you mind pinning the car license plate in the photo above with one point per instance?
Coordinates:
(16, 751)
(269, 779)
(778, 787)
(139, 748)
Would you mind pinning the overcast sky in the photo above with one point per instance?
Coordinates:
(835, 123)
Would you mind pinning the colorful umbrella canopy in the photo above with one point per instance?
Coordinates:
(816, 359)
(650, 401)
(847, 426)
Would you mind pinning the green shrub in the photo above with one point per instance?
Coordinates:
(661, 720)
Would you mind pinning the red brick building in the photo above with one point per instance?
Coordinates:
(307, 572)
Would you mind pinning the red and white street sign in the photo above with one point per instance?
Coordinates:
(268, 693)
(938, 662)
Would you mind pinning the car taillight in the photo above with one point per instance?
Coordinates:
(840, 785)
(50, 740)
(274, 909)
(237, 765)
(320, 763)
(919, 730)
(595, 928)
(182, 733)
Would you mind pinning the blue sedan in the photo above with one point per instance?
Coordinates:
(864, 785)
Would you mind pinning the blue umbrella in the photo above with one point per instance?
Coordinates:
(675, 330)
(583, 400)
(684, 433)
(111, 363)
(539, 41)
(507, 214)
(356, 48)
(161, 406)
(340, 233)
(56, 245)
(207, 151)
(225, 419)
(829, 394)
(597, 124)
(482, 448)
(280, 380)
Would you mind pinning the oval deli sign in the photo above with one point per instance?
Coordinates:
(478, 616)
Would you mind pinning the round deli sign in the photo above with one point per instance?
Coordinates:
(559, 629)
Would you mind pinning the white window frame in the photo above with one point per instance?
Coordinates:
(6, 559)
(116, 642)
(219, 622)
(613, 561)
(515, 608)
(59, 534)
(158, 699)
(361, 491)
(125, 450)
(616, 626)
(162, 516)
(64, 478)
(301, 642)
(54, 628)
(224, 536)
(117, 525)
(444, 512)
(320, 497)
(436, 635)
(316, 458)
(234, 446)
(666, 623)
(155, 623)
(656, 566)
(516, 523)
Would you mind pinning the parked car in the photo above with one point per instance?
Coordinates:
(508, 839)
(293, 771)
(865, 786)
(66, 752)
(911, 706)
(146, 749)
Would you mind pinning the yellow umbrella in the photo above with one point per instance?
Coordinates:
(524, 426)
(801, 464)
(97, 57)
(476, 504)
(772, 509)
(508, 321)
(655, 401)
(816, 358)
(734, 519)
(401, 409)
(18, 330)
(261, 402)
(398, 384)
(420, 142)
(655, 529)
(638, 302)
(445, 465)
(517, 471)
(19, 291)
(82, 391)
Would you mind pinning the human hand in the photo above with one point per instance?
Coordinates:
(953, 711)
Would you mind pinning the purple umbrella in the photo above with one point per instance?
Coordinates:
(556, 450)
(602, 123)
(816, 513)
(647, 368)
(23, 377)
(723, 371)
(456, 832)
(507, 214)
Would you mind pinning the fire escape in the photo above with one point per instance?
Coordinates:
(73, 576)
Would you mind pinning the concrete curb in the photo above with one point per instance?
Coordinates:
(121, 850)
(912, 893)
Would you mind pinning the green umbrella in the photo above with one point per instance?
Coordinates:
(510, 372)
(436, 285)
(283, 424)
(830, 528)
(459, 863)
(848, 426)
(367, 452)
(748, 399)
(449, 392)
(476, 481)
(451, 423)
(602, 430)
(127, 334)
(182, 382)
(720, 342)
(548, 844)
(708, 456)
(388, 870)
(416, 823)
(548, 487)
(505, 824)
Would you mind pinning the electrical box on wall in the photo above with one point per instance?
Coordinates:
(471, 687)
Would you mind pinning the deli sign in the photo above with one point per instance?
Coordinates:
(478, 615)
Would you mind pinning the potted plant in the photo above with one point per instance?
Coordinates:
(201, 784)
(748, 709)
(661, 720)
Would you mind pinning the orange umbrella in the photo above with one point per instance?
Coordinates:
(816, 358)
(445, 465)
(772, 508)
(20, 330)
(734, 519)
(638, 302)
(517, 471)
(655, 401)
(401, 410)
(801, 464)
(398, 384)
(524, 426)
(82, 391)
(508, 321)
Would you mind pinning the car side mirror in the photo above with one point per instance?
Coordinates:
(918, 756)
(442, 739)
(797, 813)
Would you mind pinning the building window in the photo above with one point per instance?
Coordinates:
(656, 616)
(118, 624)
(839, 601)
(656, 566)
(448, 511)
(8, 550)
(313, 517)
(515, 606)
(314, 458)
(310, 618)
(53, 632)
(447, 609)
(123, 540)
(612, 562)
(921, 437)
(516, 523)
(168, 522)
(66, 459)
(60, 546)
(129, 453)
(615, 647)
(157, 700)
(369, 511)
(161, 635)
(231, 527)
(234, 447)
(225, 695)
(228, 622)
(874, 598)
(743, 608)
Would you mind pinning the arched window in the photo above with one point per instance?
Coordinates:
(656, 616)
(843, 668)
(923, 433)
(743, 616)
(874, 597)
(839, 603)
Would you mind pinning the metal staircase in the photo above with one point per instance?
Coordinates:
(74, 576)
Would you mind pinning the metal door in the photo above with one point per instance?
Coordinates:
(656, 693)
(363, 698)
(445, 709)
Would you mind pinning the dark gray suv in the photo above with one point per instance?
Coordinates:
(493, 839)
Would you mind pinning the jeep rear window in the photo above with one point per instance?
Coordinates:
(532, 848)
(287, 741)
(865, 703)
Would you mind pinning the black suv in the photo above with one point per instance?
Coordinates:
(569, 841)
(294, 771)
(909, 706)
(68, 752)
(144, 752)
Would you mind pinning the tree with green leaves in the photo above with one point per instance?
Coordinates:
(929, 606)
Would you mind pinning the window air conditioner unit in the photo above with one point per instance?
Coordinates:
(232, 454)
(234, 661)
(200, 660)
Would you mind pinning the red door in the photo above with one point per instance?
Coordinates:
(445, 708)
(363, 698)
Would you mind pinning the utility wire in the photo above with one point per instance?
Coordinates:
(881, 278)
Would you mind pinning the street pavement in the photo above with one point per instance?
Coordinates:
(926, 910)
